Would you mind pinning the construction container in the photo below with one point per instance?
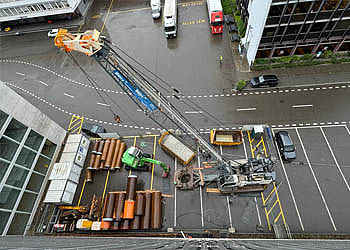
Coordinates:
(176, 148)
(60, 192)
(65, 171)
(96, 226)
(226, 137)
(84, 224)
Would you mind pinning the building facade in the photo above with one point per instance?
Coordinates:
(14, 12)
(29, 144)
(294, 27)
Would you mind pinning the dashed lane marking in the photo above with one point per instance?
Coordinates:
(68, 95)
(20, 74)
(287, 89)
(287, 126)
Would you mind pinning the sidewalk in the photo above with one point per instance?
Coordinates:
(303, 75)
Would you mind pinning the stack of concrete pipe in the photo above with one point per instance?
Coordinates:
(144, 212)
(106, 154)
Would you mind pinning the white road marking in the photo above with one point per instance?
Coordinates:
(44, 83)
(175, 168)
(229, 211)
(20, 74)
(103, 104)
(335, 160)
(246, 109)
(193, 112)
(70, 96)
(290, 188)
(318, 185)
(302, 106)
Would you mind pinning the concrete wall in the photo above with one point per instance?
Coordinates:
(16, 106)
(258, 11)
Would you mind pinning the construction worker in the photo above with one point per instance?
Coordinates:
(117, 119)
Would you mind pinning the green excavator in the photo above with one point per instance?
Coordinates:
(135, 159)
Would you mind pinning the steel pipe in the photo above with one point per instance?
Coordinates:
(120, 154)
(115, 155)
(156, 215)
(110, 154)
(125, 225)
(140, 204)
(135, 223)
(110, 207)
(95, 147)
(88, 176)
(147, 215)
(105, 150)
(120, 206)
(92, 161)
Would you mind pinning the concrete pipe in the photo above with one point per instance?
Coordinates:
(92, 161)
(135, 223)
(110, 207)
(88, 176)
(115, 154)
(110, 154)
(105, 150)
(140, 204)
(120, 155)
(147, 215)
(100, 147)
(156, 215)
(120, 207)
(95, 147)
(125, 225)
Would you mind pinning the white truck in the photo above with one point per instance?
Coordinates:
(170, 18)
(155, 8)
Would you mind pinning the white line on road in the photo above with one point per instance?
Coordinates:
(44, 83)
(20, 74)
(335, 160)
(68, 95)
(200, 191)
(318, 185)
(103, 104)
(175, 168)
(246, 109)
(229, 211)
(193, 112)
(302, 106)
(290, 190)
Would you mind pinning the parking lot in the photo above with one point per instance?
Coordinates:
(314, 189)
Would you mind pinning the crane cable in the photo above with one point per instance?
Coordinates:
(208, 115)
(93, 83)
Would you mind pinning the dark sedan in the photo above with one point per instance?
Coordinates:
(285, 146)
(264, 81)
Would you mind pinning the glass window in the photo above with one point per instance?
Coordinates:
(34, 140)
(35, 182)
(48, 149)
(15, 130)
(18, 224)
(7, 148)
(8, 197)
(42, 165)
(4, 218)
(27, 202)
(26, 158)
(17, 177)
(3, 168)
(3, 117)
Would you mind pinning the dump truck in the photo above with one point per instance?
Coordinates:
(226, 137)
(176, 148)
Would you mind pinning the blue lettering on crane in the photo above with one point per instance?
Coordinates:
(135, 91)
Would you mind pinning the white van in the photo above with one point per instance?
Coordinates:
(155, 8)
(170, 18)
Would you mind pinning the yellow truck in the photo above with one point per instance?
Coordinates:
(226, 137)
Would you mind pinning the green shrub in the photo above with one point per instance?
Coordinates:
(261, 61)
(241, 85)
(240, 26)
(228, 6)
(286, 59)
(327, 54)
(307, 57)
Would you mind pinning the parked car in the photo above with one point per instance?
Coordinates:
(229, 19)
(285, 146)
(232, 28)
(52, 33)
(92, 129)
(264, 81)
(234, 38)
